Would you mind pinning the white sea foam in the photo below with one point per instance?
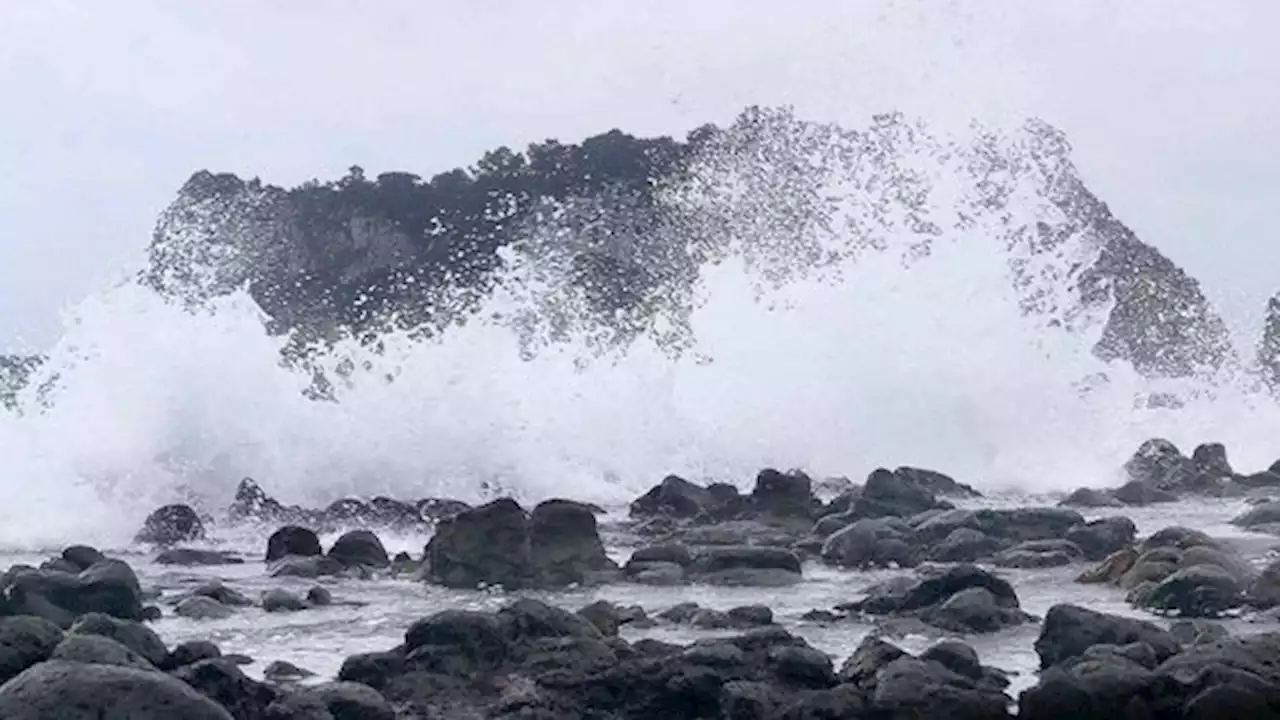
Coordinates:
(909, 346)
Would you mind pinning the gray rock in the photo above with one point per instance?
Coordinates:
(1099, 538)
(194, 557)
(170, 525)
(281, 600)
(360, 547)
(292, 540)
(133, 635)
(872, 542)
(24, 641)
(199, 607)
(76, 691)
(1068, 631)
(99, 650)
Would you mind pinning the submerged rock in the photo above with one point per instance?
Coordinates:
(193, 557)
(961, 598)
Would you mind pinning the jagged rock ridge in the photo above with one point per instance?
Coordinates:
(622, 225)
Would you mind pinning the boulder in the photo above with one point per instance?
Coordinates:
(194, 557)
(1090, 498)
(221, 681)
(190, 652)
(488, 545)
(961, 598)
(360, 547)
(134, 635)
(78, 691)
(872, 542)
(565, 546)
(281, 600)
(98, 650)
(745, 565)
(1039, 554)
(24, 641)
(108, 586)
(292, 540)
(1069, 630)
(1099, 538)
(784, 495)
(351, 701)
(936, 483)
(253, 504)
(199, 607)
(673, 497)
(170, 525)
(886, 493)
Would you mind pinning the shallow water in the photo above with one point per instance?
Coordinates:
(380, 610)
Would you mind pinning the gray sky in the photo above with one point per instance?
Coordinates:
(1172, 106)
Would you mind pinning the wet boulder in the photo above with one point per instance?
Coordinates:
(499, 544)
(360, 547)
(351, 701)
(78, 691)
(1262, 518)
(872, 542)
(889, 494)
(170, 525)
(199, 607)
(1139, 494)
(1211, 459)
(192, 557)
(1203, 590)
(960, 598)
(1069, 630)
(784, 495)
(24, 641)
(745, 565)
(673, 497)
(1159, 463)
(222, 681)
(565, 546)
(292, 540)
(108, 586)
(488, 545)
(98, 650)
(1039, 554)
(312, 566)
(1099, 538)
(134, 635)
(190, 652)
(281, 600)
(253, 504)
(964, 545)
(1090, 498)
(939, 484)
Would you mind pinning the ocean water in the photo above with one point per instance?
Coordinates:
(827, 333)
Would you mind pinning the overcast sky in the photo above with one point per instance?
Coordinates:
(1172, 105)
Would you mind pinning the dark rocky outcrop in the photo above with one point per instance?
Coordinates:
(193, 556)
(359, 255)
(533, 660)
(170, 525)
(1096, 665)
(500, 544)
(1178, 571)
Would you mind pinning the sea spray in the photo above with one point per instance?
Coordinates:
(826, 299)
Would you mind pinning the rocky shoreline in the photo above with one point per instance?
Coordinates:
(76, 640)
